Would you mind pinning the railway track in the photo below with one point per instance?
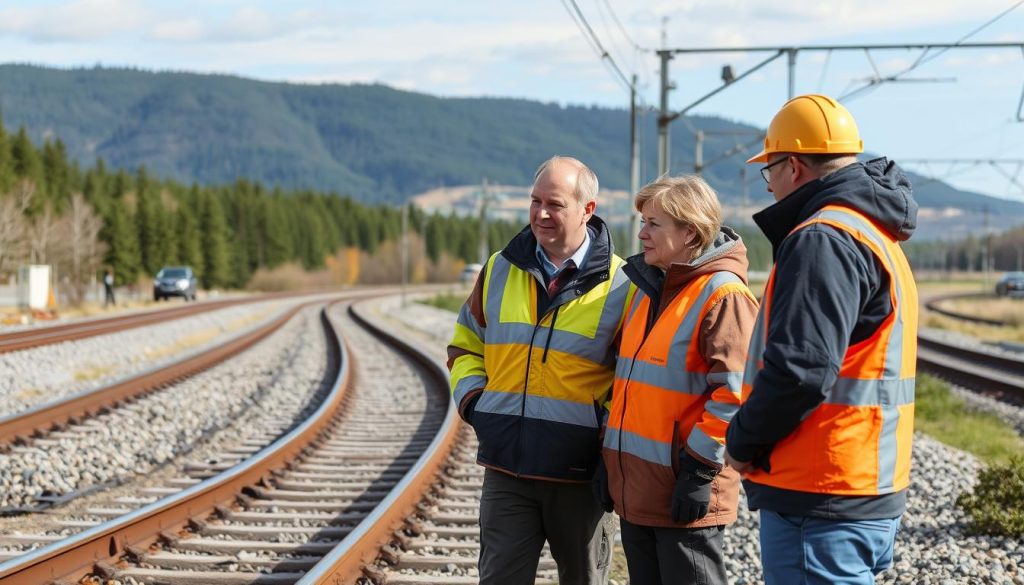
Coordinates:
(991, 372)
(933, 305)
(19, 427)
(37, 336)
(273, 515)
(322, 504)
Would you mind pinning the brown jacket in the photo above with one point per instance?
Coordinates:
(641, 489)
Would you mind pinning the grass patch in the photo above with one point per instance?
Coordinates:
(447, 301)
(946, 417)
(996, 505)
(1010, 310)
(978, 330)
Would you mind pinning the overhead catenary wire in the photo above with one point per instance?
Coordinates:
(588, 33)
(622, 29)
(615, 48)
(925, 56)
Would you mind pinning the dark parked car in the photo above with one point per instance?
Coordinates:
(174, 281)
(1011, 285)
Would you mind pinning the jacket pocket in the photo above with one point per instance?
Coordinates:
(677, 444)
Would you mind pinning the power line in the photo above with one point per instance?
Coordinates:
(925, 57)
(613, 43)
(591, 36)
(622, 29)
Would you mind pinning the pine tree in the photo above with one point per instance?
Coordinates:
(214, 229)
(57, 174)
(147, 217)
(190, 252)
(277, 245)
(122, 239)
(6, 162)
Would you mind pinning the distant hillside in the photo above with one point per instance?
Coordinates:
(370, 141)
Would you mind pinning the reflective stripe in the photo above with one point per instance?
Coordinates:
(467, 320)
(670, 375)
(497, 276)
(538, 407)
(852, 392)
(887, 448)
(500, 403)
(646, 449)
(467, 385)
(864, 228)
(705, 446)
(694, 383)
(732, 380)
(594, 348)
(562, 411)
(721, 410)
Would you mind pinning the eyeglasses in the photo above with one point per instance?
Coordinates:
(764, 170)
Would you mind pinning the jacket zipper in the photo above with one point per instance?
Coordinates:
(522, 407)
(551, 329)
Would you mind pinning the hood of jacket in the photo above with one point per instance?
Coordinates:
(727, 253)
(877, 188)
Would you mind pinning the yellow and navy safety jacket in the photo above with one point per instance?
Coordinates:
(857, 442)
(532, 373)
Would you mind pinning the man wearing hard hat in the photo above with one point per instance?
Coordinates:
(824, 434)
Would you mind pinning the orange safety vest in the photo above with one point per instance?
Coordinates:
(857, 442)
(662, 382)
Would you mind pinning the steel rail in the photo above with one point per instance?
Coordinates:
(74, 557)
(933, 305)
(20, 425)
(978, 370)
(344, 564)
(37, 336)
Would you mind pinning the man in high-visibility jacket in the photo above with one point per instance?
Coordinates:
(824, 433)
(532, 362)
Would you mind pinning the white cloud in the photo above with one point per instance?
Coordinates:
(79, 20)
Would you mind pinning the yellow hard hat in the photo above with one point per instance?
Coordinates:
(811, 124)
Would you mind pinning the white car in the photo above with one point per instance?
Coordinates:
(470, 273)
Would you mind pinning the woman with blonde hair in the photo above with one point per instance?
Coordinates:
(677, 384)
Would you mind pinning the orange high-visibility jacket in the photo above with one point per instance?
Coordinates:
(858, 441)
(667, 397)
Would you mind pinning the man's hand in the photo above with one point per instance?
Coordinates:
(467, 413)
(600, 487)
(740, 466)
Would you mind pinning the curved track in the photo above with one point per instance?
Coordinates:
(933, 305)
(334, 487)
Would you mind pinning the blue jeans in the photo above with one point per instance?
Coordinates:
(803, 550)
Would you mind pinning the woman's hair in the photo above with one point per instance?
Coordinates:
(689, 201)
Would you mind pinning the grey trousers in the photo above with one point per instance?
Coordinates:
(674, 556)
(518, 515)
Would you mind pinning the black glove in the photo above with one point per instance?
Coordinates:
(692, 495)
(600, 487)
(467, 413)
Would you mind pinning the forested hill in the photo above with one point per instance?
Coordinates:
(372, 142)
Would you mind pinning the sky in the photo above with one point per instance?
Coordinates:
(958, 104)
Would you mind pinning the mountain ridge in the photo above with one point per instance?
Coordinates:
(370, 141)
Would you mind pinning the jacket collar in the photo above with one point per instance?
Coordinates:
(727, 253)
(877, 188)
(521, 250)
